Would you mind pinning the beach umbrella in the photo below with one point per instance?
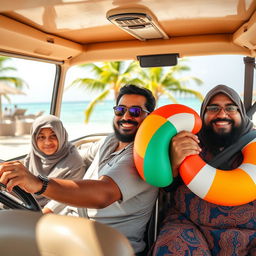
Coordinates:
(5, 89)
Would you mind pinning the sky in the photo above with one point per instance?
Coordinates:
(212, 70)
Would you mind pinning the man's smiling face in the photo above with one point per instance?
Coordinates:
(228, 116)
(126, 125)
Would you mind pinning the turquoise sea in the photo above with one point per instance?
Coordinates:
(73, 112)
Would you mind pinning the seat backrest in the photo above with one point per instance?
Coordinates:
(17, 232)
(33, 234)
(160, 208)
(152, 227)
(67, 235)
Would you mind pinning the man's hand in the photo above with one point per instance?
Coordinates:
(14, 173)
(182, 145)
(81, 193)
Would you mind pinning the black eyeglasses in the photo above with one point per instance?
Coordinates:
(229, 109)
(133, 111)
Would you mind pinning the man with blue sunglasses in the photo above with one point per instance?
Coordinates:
(111, 191)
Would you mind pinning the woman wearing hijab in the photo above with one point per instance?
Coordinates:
(192, 225)
(52, 155)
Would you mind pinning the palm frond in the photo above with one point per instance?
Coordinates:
(190, 91)
(93, 67)
(88, 111)
(112, 67)
(6, 69)
(132, 67)
(135, 81)
(87, 84)
(14, 80)
(7, 97)
(180, 68)
(198, 81)
(113, 75)
(170, 96)
(18, 82)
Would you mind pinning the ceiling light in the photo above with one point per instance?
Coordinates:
(140, 23)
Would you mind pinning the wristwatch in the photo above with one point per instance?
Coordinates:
(45, 182)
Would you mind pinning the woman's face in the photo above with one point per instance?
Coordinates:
(47, 141)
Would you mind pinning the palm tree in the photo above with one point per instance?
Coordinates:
(108, 77)
(164, 81)
(11, 80)
(111, 76)
(7, 81)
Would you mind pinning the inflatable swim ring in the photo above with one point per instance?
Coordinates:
(151, 144)
(227, 188)
(151, 155)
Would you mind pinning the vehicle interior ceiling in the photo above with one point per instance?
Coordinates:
(73, 32)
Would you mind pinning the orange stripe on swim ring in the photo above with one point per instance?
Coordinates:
(151, 145)
(222, 187)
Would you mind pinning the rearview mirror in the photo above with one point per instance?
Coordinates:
(158, 60)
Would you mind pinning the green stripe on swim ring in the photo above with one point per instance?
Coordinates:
(152, 141)
(157, 157)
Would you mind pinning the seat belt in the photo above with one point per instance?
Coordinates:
(228, 152)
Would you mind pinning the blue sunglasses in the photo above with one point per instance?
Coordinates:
(133, 111)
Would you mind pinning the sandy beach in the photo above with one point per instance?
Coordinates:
(13, 146)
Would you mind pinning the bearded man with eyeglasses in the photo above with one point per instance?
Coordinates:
(111, 191)
(193, 226)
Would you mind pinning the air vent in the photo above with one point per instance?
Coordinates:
(140, 24)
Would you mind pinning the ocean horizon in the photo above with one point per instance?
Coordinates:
(73, 111)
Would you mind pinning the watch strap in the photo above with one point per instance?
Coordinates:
(45, 182)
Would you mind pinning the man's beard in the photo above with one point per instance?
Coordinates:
(223, 139)
(124, 137)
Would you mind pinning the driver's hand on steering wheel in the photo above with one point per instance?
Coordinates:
(14, 173)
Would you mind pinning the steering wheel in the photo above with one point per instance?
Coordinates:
(18, 199)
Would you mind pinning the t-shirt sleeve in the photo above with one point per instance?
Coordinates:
(123, 172)
(88, 151)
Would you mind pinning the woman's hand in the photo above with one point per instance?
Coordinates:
(14, 173)
(182, 145)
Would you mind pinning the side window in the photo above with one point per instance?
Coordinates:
(25, 93)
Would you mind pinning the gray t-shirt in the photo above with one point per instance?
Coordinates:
(131, 214)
